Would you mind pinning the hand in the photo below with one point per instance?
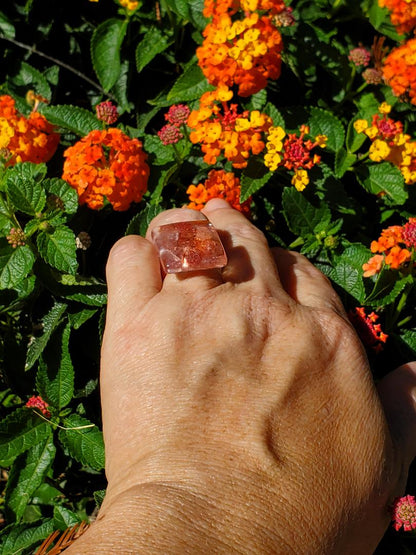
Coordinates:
(239, 411)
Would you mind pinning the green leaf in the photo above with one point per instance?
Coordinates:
(19, 538)
(74, 119)
(190, 85)
(162, 154)
(180, 7)
(7, 27)
(99, 497)
(27, 474)
(195, 8)
(140, 222)
(106, 42)
(349, 278)
(29, 77)
(271, 110)
(322, 122)
(49, 323)
(354, 140)
(55, 376)
(15, 265)
(20, 431)
(59, 249)
(380, 19)
(77, 319)
(155, 41)
(24, 188)
(387, 287)
(65, 192)
(63, 518)
(343, 162)
(386, 179)
(301, 216)
(253, 178)
(83, 441)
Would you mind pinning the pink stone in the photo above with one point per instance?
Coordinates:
(189, 246)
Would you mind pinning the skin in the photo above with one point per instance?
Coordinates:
(239, 411)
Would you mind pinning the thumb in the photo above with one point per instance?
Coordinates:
(398, 396)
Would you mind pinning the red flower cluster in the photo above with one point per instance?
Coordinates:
(24, 139)
(107, 164)
(107, 112)
(219, 184)
(399, 70)
(393, 247)
(36, 402)
(404, 513)
(367, 329)
(245, 51)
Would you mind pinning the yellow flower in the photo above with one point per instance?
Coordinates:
(360, 125)
(300, 179)
(371, 132)
(321, 140)
(6, 133)
(129, 4)
(379, 150)
(384, 108)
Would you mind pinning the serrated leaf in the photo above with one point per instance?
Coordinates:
(106, 42)
(15, 265)
(253, 178)
(28, 77)
(20, 431)
(140, 222)
(349, 278)
(190, 85)
(258, 100)
(59, 249)
(271, 110)
(49, 322)
(387, 287)
(163, 154)
(77, 319)
(322, 122)
(384, 179)
(55, 376)
(84, 443)
(63, 518)
(196, 8)
(99, 497)
(74, 119)
(24, 188)
(343, 162)
(301, 216)
(65, 192)
(354, 140)
(19, 538)
(26, 475)
(409, 338)
(155, 41)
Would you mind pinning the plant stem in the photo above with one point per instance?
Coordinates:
(79, 74)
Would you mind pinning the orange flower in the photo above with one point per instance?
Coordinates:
(394, 247)
(368, 331)
(403, 13)
(219, 184)
(24, 139)
(399, 70)
(107, 164)
(243, 52)
(216, 8)
(221, 130)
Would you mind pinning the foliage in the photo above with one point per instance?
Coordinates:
(61, 60)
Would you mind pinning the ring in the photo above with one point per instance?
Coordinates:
(189, 246)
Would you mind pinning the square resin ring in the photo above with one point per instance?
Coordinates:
(189, 246)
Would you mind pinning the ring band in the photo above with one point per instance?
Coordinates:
(189, 246)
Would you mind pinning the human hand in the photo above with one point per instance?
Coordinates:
(239, 411)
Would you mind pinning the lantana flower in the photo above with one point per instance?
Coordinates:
(395, 247)
(36, 402)
(108, 165)
(25, 139)
(243, 52)
(399, 70)
(219, 184)
(389, 143)
(367, 328)
(222, 131)
(404, 513)
(293, 153)
(403, 13)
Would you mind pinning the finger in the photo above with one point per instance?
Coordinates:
(397, 392)
(201, 279)
(249, 257)
(133, 276)
(305, 283)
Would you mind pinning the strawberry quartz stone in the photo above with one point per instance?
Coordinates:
(189, 246)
